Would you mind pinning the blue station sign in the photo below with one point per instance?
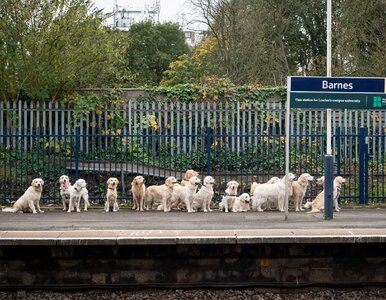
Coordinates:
(338, 92)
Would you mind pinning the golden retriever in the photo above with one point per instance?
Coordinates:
(160, 194)
(188, 174)
(78, 191)
(186, 193)
(299, 189)
(203, 198)
(29, 201)
(138, 189)
(229, 197)
(272, 180)
(112, 195)
(318, 204)
(274, 193)
(242, 203)
(65, 184)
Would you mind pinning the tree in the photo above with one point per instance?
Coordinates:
(267, 40)
(151, 49)
(50, 48)
(193, 68)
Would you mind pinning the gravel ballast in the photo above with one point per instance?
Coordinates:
(198, 294)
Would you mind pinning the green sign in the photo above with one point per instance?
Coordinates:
(337, 100)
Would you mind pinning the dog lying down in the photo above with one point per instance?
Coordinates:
(29, 201)
(242, 203)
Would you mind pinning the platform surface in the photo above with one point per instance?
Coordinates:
(127, 227)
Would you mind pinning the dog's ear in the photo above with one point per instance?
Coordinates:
(237, 184)
(42, 181)
(33, 181)
(108, 181)
(229, 184)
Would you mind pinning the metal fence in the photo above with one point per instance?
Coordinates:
(95, 157)
(235, 119)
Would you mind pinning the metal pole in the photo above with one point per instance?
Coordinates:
(329, 55)
(287, 142)
(328, 159)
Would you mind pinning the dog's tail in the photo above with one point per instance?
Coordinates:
(307, 204)
(8, 209)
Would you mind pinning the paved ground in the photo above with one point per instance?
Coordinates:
(96, 219)
(127, 227)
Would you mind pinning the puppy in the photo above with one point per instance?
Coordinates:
(318, 204)
(188, 174)
(242, 203)
(203, 198)
(111, 195)
(229, 197)
(160, 194)
(274, 193)
(139, 189)
(271, 181)
(29, 201)
(299, 189)
(65, 184)
(77, 192)
(186, 193)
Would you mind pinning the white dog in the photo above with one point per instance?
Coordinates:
(186, 193)
(270, 181)
(160, 194)
(138, 189)
(29, 201)
(318, 204)
(65, 184)
(78, 191)
(242, 203)
(229, 197)
(111, 195)
(299, 189)
(274, 193)
(203, 198)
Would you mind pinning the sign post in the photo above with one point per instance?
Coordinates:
(331, 93)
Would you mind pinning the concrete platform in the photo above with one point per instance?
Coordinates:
(126, 227)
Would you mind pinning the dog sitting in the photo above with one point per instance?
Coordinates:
(317, 205)
(242, 203)
(111, 195)
(299, 189)
(229, 197)
(203, 198)
(77, 192)
(65, 184)
(29, 201)
(160, 194)
(138, 189)
(186, 193)
(188, 174)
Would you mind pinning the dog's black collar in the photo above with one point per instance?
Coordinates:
(111, 189)
(226, 194)
(77, 189)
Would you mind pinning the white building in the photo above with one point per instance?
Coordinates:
(129, 12)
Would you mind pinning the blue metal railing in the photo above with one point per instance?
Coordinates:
(95, 157)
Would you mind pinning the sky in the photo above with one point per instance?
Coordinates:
(169, 8)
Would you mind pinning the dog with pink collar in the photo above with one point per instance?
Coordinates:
(65, 185)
